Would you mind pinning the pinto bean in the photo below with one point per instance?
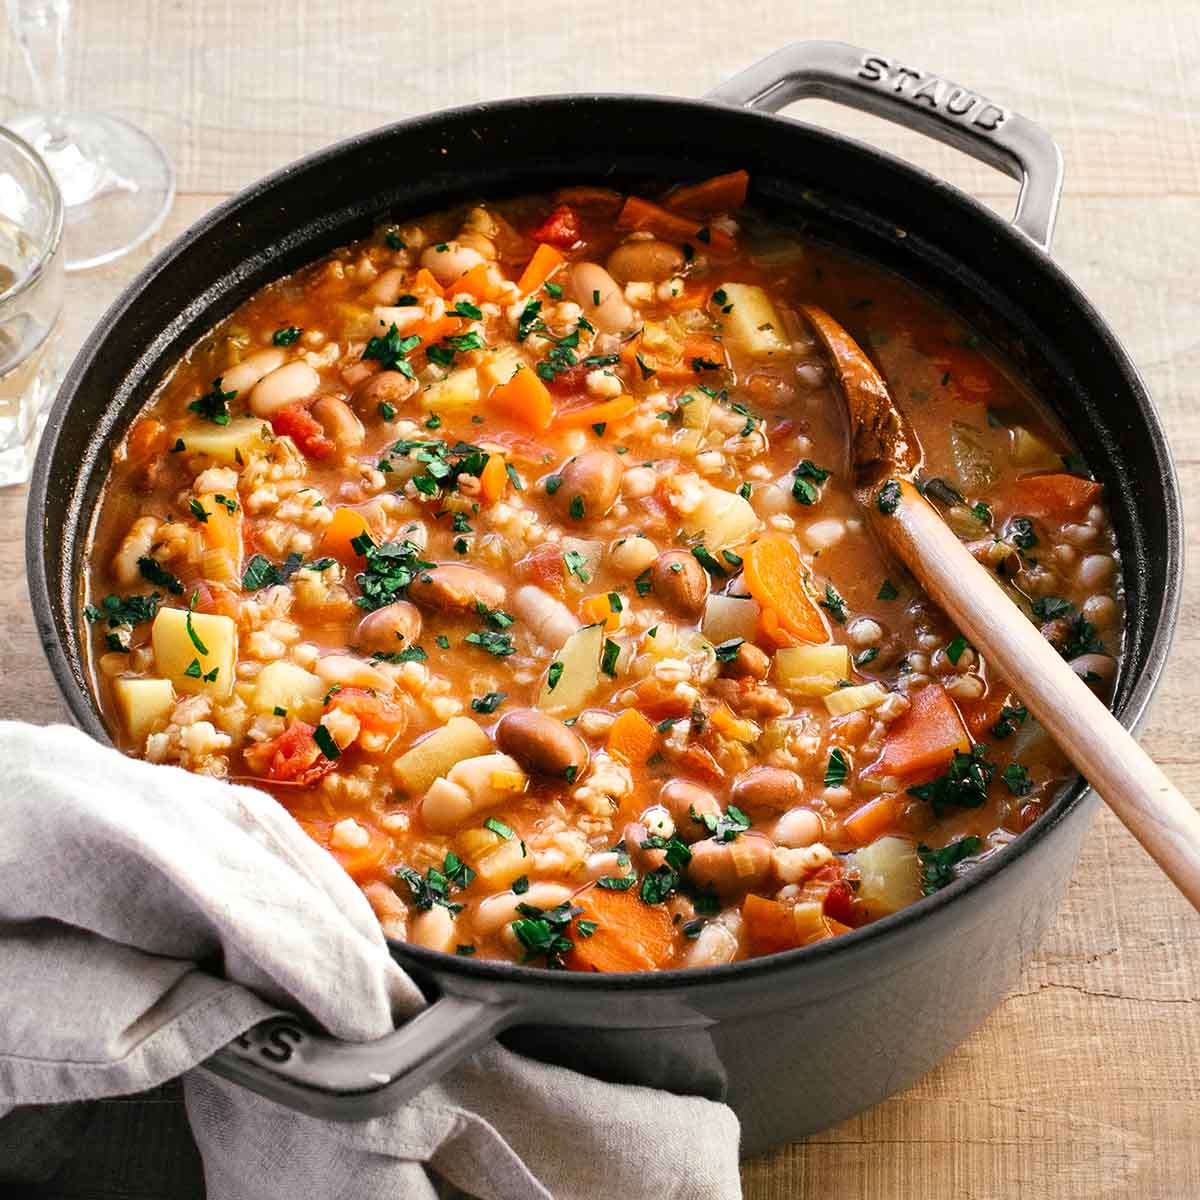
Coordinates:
(385, 387)
(648, 259)
(589, 485)
(341, 426)
(449, 261)
(749, 663)
(681, 799)
(541, 744)
(680, 582)
(1098, 671)
(455, 587)
(393, 627)
(743, 865)
(767, 787)
(600, 297)
(285, 385)
(645, 858)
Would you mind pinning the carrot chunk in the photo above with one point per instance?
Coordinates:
(639, 214)
(596, 414)
(770, 926)
(773, 573)
(700, 355)
(474, 283)
(873, 819)
(720, 194)
(1058, 497)
(525, 398)
(493, 479)
(545, 261)
(425, 282)
(596, 609)
(632, 738)
(347, 524)
(630, 934)
(926, 736)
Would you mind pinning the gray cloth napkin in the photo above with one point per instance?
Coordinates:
(122, 884)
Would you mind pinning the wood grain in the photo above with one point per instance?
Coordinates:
(1086, 1082)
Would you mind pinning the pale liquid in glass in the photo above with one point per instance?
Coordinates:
(27, 361)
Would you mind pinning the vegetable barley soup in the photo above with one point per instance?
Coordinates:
(514, 551)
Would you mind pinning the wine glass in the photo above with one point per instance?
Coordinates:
(115, 180)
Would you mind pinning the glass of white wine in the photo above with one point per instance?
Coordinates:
(31, 299)
(115, 180)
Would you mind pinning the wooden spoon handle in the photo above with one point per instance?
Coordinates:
(1091, 737)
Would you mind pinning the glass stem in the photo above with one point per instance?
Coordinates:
(41, 28)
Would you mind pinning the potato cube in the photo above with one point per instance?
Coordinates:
(752, 322)
(459, 390)
(179, 655)
(232, 443)
(433, 756)
(283, 685)
(144, 705)
(574, 673)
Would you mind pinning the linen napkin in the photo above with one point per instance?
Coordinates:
(148, 916)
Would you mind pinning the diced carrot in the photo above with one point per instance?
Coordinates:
(545, 261)
(1058, 497)
(525, 398)
(694, 295)
(630, 934)
(873, 819)
(971, 375)
(595, 414)
(632, 738)
(720, 194)
(222, 529)
(347, 524)
(771, 630)
(924, 737)
(774, 575)
(474, 283)
(596, 609)
(640, 214)
(770, 926)
(433, 331)
(493, 479)
(425, 282)
(658, 701)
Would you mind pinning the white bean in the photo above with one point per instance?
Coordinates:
(657, 820)
(798, 827)
(352, 672)
(500, 909)
(469, 787)
(550, 620)
(630, 556)
(433, 929)
(388, 287)
(449, 261)
(716, 944)
(249, 371)
(136, 544)
(283, 386)
(600, 297)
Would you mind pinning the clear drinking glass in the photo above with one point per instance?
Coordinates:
(31, 298)
(115, 180)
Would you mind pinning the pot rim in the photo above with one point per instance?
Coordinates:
(439, 964)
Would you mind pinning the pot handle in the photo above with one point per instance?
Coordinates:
(350, 1081)
(919, 100)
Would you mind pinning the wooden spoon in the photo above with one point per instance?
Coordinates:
(885, 455)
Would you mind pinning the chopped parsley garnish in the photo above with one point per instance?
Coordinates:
(230, 506)
(193, 636)
(498, 644)
(433, 421)
(834, 604)
(529, 320)
(553, 675)
(499, 828)
(887, 591)
(965, 784)
(543, 932)
(982, 513)
(443, 642)
(808, 476)
(393, 241)
(489, 703)
(214, 405)
(585, 929)
(724, 828)
(704, 364)
(286, 336)
(702, 555)
(658, 884)
(616, 883)
(321, 564)
(457, 871)
(887, 499)
(608, 660)
(390, 568)
(647, 372)
(459, 343)
(1017, 778)
(391, 351)
(260, 572)
(153, 571)
(553, 483)
(869, 655)
(132, 610)
(325, 742)
(835, 770)
(464, 308)
(199, 511)
(496, 617)
(1050, 608)
(520, 885)
(576, 508)
(1021, 533)
(576, 564)
(464, 949)
(409, 654)
(435, 886)
(553, 290)
(614, 602)
(195, 671)
(388, 411)
(642, 583)
(954, 651)
(1008, 721)
(744, 491)
(727, 651)
(513, 478)
(1081, 638)
(937, 866)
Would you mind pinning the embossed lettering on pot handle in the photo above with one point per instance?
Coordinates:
(351, 1081)
(920, 100)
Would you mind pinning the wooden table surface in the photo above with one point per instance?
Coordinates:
(1086, 1082)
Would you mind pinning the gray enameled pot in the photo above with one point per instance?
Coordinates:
(800, 1040)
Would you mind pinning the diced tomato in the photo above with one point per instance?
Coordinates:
(544, 567)
(375, 713)
(570, 382)
(292, 757)
(840, 904)
(560, 229)
(296, 422)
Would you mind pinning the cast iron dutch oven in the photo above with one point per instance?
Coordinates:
(800, 1040)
